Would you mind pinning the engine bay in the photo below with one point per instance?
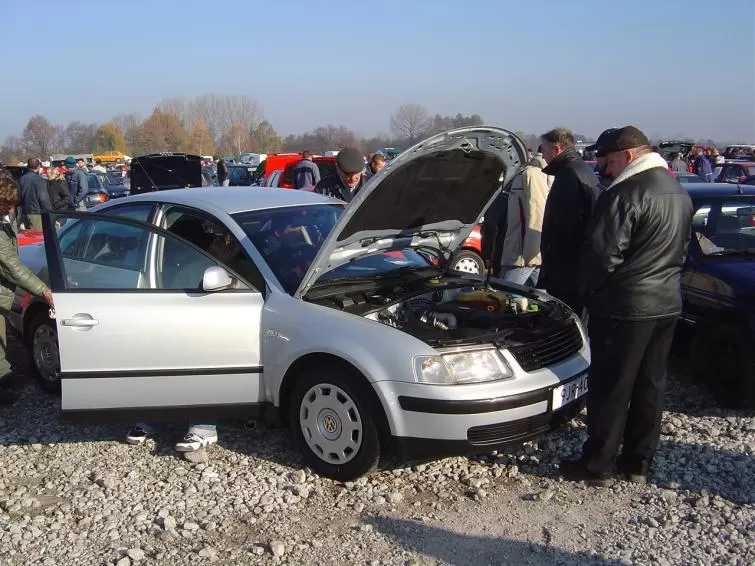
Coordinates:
(456, 312)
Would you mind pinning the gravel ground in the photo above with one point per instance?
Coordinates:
(79, 495)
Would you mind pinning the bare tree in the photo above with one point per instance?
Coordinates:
(410, 121)
(81, 137)
(210, 109)
(39, 135)
(175, 105)
(13, 150)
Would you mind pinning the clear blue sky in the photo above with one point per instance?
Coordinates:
(671, 67)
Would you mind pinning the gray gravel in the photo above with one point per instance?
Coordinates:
(79, 495)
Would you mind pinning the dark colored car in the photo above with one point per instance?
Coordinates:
(688, 178)
(733, 172)
(165, 171)
(241, 175)
(102, 190)
(669, 149)
(718, 286)
(16, 170)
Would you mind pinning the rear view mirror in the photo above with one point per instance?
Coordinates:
(216, 279)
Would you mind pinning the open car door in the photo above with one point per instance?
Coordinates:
(149, 326)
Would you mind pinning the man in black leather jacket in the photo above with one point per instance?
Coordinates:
(630, 281)
(567, 214)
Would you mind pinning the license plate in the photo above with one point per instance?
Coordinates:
(569, 392)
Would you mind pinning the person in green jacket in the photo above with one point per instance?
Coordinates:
(13, 273)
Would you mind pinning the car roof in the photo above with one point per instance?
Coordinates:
(745, 163)
(704, 190)
(234, 199)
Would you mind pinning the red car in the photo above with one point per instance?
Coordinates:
(734, 172)
(469, 258)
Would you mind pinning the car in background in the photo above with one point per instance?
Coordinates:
(289, 306)
(16, 170)
(165, 171)
(739, 152)
(718, 286)
(688, 178)
(748, 181)
(102, 190)
(733, 172)
(669, 149)
(115, 177)
(241, 175)
(272, 179)
(326, 165)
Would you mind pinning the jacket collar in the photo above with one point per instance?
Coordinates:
(559, 162)
(643, 163)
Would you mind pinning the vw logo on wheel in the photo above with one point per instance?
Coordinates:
(329, 424)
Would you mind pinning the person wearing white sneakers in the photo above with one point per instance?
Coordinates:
(198, 436)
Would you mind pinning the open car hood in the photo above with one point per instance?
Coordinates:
(162, 171)
(432, 195)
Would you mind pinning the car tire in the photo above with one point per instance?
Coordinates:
(467, 261)
(44, 354)
(723, 359)
(323, 404)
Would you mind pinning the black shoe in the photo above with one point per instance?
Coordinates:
(576, 470)
(636, 478)
(632, 472)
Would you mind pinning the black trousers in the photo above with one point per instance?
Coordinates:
(627, 381)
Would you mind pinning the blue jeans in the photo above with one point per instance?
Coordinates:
(521, 275)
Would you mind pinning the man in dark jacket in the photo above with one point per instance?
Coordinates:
(78, 182)
(222, 172)
(306, 172)
(630, 278)
(348, 179)
(702, 166)
(678, 165)
(34, 196)
(567, 214)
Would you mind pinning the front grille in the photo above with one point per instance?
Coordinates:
(521, 429)
(555, 348)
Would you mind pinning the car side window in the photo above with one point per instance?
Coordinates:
(139, 212)
(733, 173)
(99, 253)
(213, 237)
(723, 227)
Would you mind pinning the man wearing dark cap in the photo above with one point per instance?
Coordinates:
(78, 181)
(630, 282)
(567, 214)
(348, 179)
(600, 156)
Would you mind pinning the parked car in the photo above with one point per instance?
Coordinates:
(326, 165)
(718, 285)
(669, 149)
(241, 175)
(102, 190)
(739, 152)
(342, 322)
(733, 172)
(688, 178)
(165, 171)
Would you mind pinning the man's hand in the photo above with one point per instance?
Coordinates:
(47, 296)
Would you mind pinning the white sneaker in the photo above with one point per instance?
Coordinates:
(193, 442)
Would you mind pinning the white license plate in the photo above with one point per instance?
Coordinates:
(568, 392)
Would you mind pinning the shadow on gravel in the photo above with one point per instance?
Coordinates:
(452, 548)
(695, 467)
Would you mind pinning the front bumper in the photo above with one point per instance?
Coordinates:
(486, 438)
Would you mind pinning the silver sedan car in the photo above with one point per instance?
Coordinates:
(343, 322)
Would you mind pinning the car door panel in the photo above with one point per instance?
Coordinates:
(140, 343)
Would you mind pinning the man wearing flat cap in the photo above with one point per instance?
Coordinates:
(348, 179)
(630, 269)
(600, 156)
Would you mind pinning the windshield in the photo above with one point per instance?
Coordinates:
(725, 227)
(379, 265)
(289, 238)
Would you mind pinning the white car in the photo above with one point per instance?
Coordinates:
(342, 322)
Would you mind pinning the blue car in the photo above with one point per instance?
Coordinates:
(718, 286)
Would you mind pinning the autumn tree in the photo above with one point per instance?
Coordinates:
(264, 139)
(39, 135)
(130, 125)
(410, 121)
(235, 139)
(200, 141)
(220, 112)
(110, 137)
(161, 132)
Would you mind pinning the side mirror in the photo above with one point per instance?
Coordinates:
(216, 279)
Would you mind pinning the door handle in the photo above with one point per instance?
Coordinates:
(80, 322)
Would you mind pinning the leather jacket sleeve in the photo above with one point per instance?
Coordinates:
(608, 237)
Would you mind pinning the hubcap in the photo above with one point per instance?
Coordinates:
(467, 265)
(331, 423)
(45, 353)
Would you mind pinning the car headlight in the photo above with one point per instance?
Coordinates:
(454, 368)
